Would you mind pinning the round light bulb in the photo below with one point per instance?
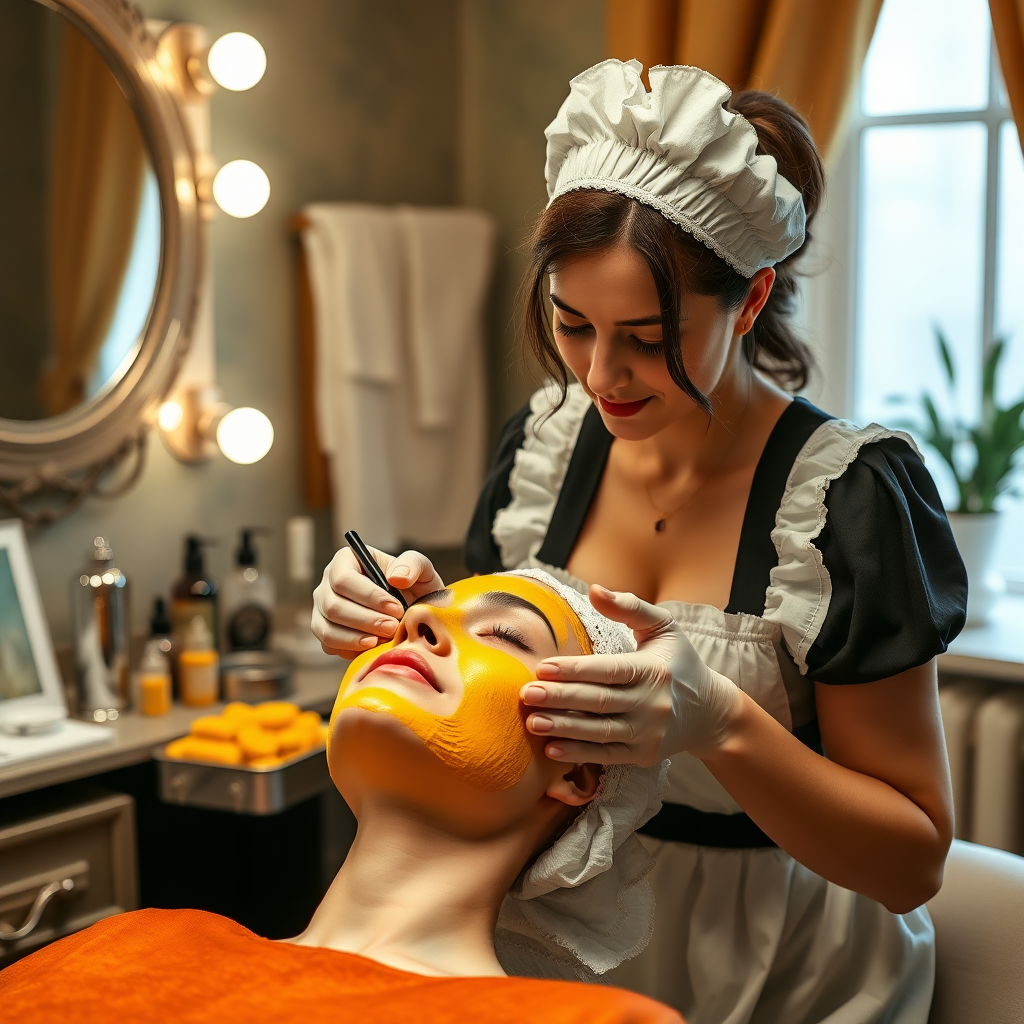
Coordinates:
(170, 416)
(237, 61)
(245, 435)
(241, 188)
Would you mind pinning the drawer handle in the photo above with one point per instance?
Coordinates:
(64, 887)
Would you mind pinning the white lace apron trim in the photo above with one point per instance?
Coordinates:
(801, 589)
(538, 473)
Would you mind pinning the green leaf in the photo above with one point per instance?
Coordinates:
(990, 369)
(947, 359)
(938, 436)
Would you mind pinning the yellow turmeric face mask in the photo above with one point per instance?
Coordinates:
(483, 738)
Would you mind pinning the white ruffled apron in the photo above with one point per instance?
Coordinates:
(747, 936)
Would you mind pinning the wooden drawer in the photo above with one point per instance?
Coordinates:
(79, 832)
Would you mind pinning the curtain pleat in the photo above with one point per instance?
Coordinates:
(720, 37)
(98, 168)
(808, 52)
(644, 29)
(1008, 26)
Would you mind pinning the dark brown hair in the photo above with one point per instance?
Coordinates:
(586, 222)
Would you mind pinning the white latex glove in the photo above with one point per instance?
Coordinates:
(635, 708)
(351, 614)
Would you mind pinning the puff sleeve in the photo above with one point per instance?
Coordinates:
(898, 585)
(480, 552)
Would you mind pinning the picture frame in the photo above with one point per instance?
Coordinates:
(29, 676)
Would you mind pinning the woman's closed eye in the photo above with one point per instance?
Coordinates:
(570, 331)
(509, 635)
(646, 348)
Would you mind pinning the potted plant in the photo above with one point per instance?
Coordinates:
(982, 458)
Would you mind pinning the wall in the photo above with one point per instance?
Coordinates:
(422, 101)
(519, 58)
(357, 103)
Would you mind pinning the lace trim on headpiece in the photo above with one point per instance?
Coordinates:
(678, 149)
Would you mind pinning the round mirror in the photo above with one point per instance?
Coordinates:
(99, 235)
(79, 219)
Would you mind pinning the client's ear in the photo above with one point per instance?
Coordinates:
(577, 786)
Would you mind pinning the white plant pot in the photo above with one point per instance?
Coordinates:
(976, 534)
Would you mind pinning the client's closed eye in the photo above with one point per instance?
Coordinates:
(511, 636)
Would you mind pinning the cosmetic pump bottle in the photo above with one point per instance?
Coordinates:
(247, 599)
(198, 666)
(153, 689)
(102, 633)
(160, 629)
(195, 593)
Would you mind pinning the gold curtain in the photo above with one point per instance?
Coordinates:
(808, 52)
(97, 171)
(1008, 26)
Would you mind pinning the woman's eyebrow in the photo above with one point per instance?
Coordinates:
(640, 321)
(499, 599)
(556, 301)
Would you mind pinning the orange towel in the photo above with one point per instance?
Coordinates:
(192, 967)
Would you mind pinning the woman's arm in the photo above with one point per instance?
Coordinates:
(876, 814)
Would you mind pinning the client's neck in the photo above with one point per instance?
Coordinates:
(417, 898)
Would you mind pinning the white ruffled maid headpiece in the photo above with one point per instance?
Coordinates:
(678, 149)
(585, 905)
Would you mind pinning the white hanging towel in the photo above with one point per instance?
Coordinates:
(400, 376)
(449, 253)
(355, 261)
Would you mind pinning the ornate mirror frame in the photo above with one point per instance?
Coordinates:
(50, 465)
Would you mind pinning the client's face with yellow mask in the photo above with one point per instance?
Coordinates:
(451, 680)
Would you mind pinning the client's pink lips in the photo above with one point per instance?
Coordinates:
(622, 408)
(412, 666)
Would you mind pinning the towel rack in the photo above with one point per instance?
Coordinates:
(316, 481)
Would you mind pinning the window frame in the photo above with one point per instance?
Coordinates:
(830, 290)
(994, 115)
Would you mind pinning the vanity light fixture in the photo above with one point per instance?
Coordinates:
(237, 61)
(194, 420)
(245, 435)
(241, 188)
(170, 416)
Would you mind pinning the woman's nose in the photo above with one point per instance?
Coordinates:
(422, 626)
(608, 368)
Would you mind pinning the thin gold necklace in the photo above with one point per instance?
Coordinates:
(664, 517)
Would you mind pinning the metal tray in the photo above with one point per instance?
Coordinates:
(242, 790)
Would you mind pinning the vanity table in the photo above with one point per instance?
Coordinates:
(98, 813)
(136, 736)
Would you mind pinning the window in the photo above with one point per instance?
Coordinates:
(937, 182)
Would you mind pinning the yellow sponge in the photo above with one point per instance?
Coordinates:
(265, 762)
(195, 748)
(256, 742)
(239, 711)
(215, 727)
(276, 714)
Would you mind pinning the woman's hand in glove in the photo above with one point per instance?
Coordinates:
(351, 614)
(634, 708)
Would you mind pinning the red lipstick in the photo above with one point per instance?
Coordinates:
(622, 408)
(410, 665)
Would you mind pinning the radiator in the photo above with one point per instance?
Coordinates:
(984, 727)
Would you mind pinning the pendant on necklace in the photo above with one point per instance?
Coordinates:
(659, 525)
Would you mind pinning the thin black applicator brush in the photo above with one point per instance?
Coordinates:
(371, 568)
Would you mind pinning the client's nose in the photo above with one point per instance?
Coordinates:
(422, 625)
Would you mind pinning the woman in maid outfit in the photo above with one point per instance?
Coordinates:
(794, 574)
